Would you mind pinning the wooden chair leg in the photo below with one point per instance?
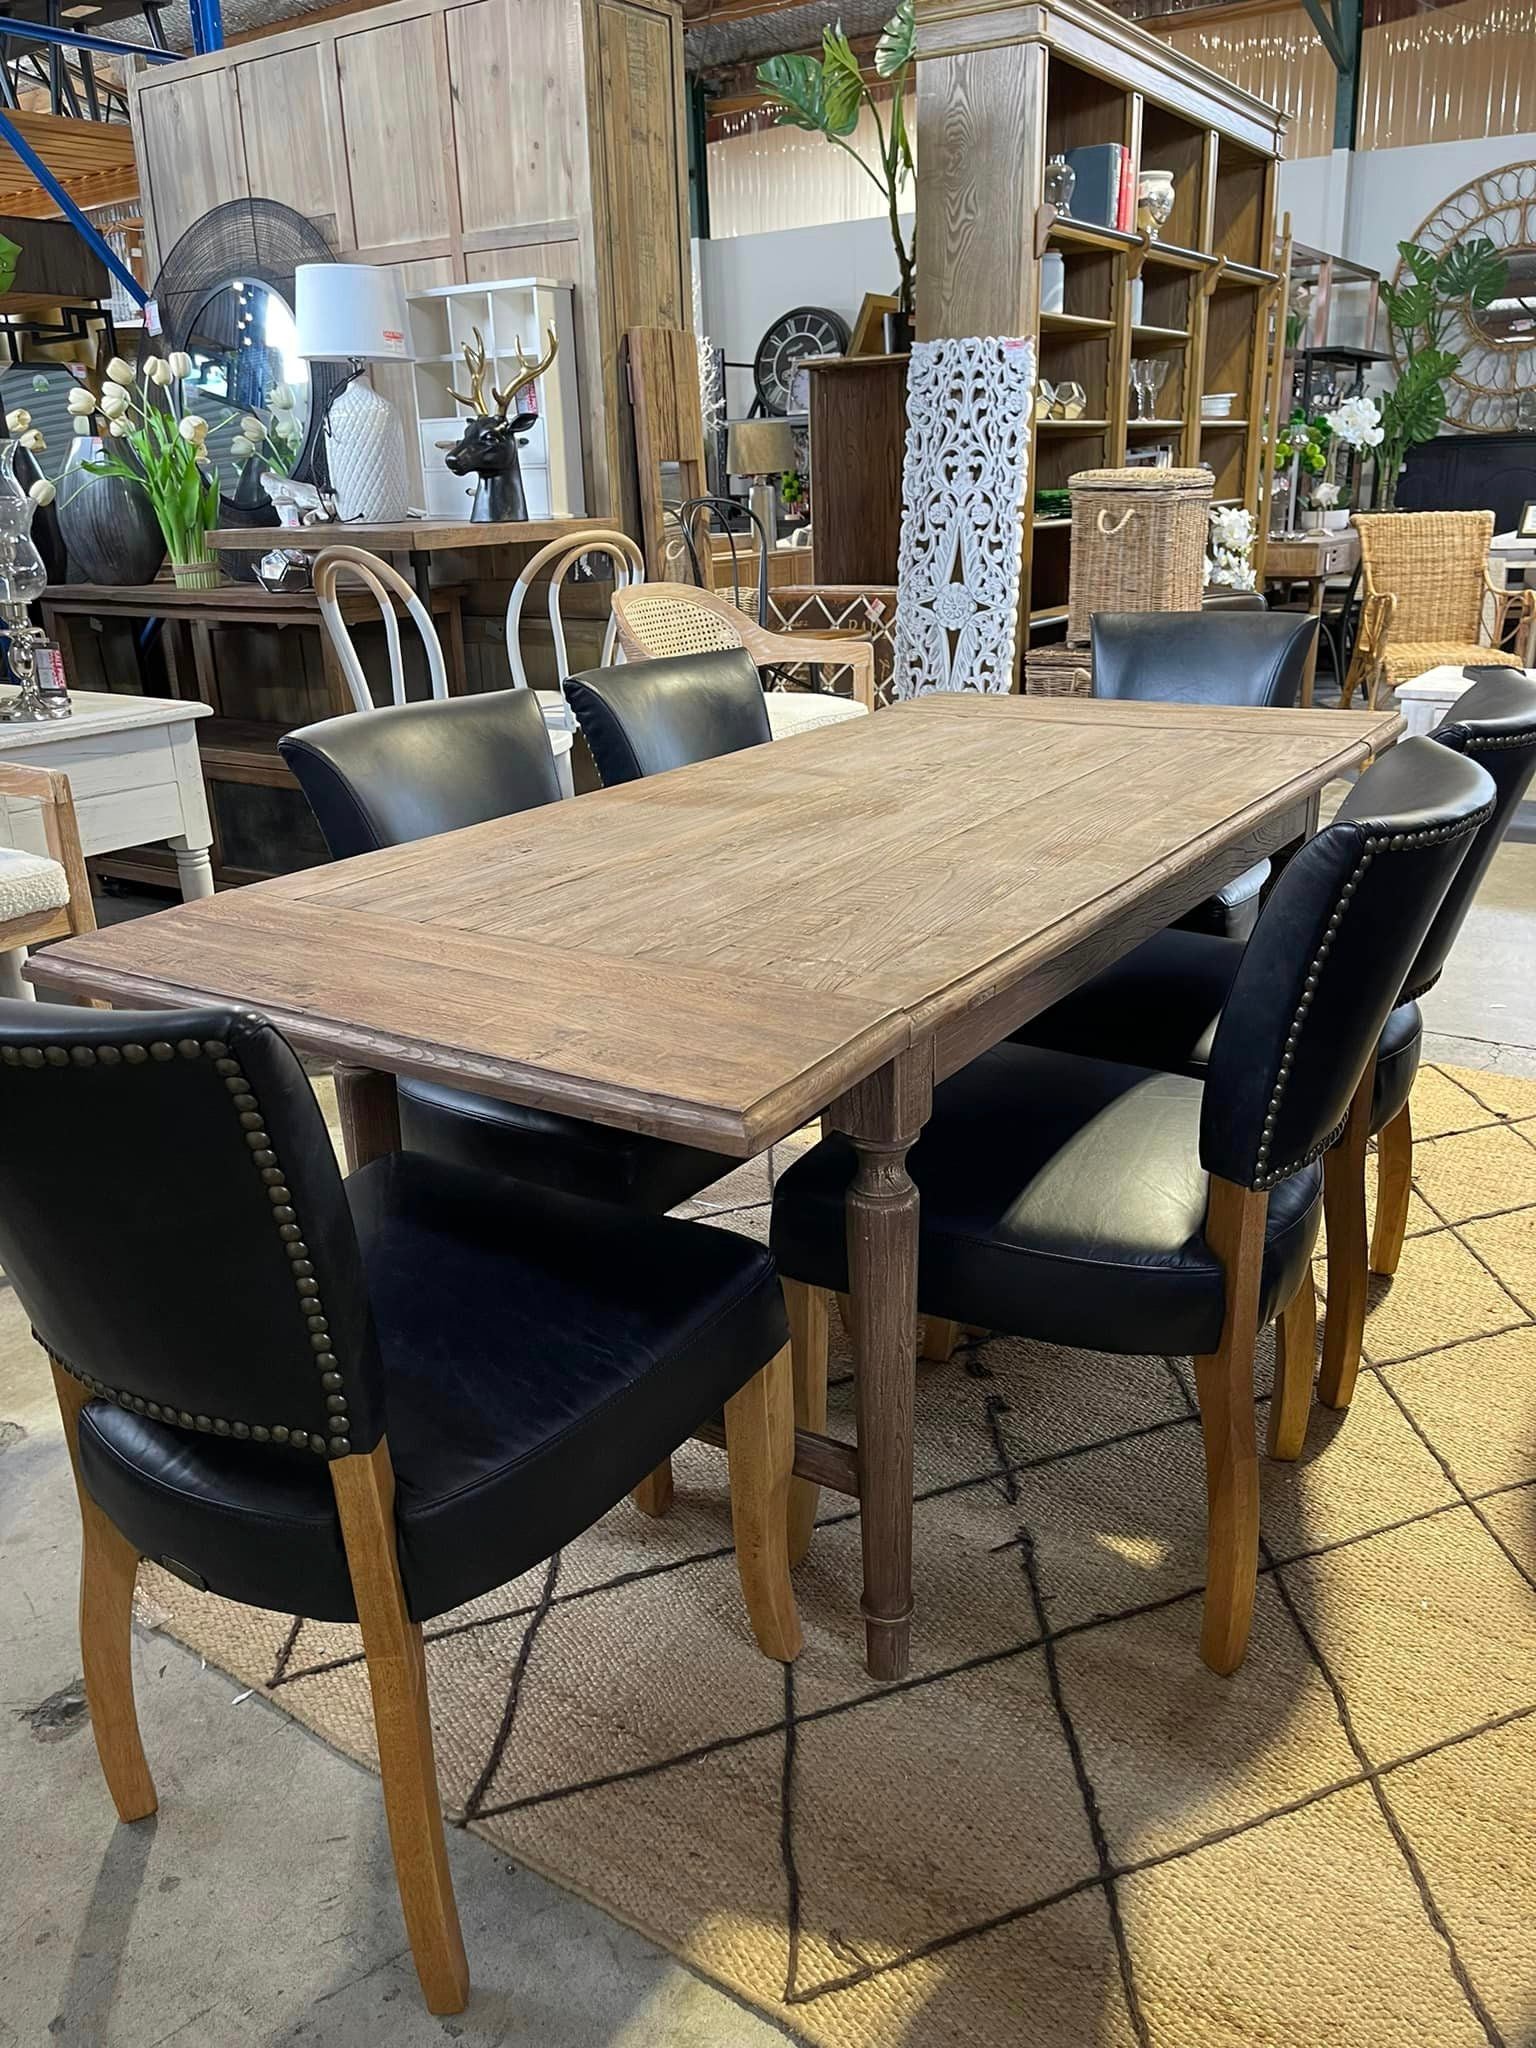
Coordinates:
(937, 1339)
(760, 1450)
(1348, 1270)
(1295, 1366)
(1234, 1228)
(653, 1496)
(365, 1499)
(108, 1567)
(1394, 1180)
(807, 1307)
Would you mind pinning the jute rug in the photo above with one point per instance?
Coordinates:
(1061, 1829)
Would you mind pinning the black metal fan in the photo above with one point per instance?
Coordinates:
(247, 242)
(806, 331)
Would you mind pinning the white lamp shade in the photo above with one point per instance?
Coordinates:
(349, 312)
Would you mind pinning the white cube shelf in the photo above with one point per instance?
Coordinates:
(516, 312)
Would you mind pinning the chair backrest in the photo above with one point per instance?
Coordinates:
(660, 620)
(694, 514)
(649, 716)
(1494, 724)
(1215, 657)
(1432, 563)
(174, 1223)
(560, 557)
(381, 778)
(1233, 601)
(1328, 959)
(330, 566)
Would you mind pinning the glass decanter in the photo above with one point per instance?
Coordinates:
(1059, 184)
(23, 579)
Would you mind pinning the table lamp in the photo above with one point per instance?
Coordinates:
(353, 313)
(762, 450)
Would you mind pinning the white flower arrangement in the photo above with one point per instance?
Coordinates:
(1356, 422)
(1325, 495)
(1229, 563)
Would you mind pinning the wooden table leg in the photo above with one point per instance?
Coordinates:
(1315, 593)
(882, 1117)
(370, 1114)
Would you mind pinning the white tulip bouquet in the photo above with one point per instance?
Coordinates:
(277, 441)
(168, 449)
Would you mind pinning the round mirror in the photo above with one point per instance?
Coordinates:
(244, 364)
(1510, 321)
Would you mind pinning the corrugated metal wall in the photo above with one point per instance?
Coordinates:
(1460, 71)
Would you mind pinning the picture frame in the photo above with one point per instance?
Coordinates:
(1526, 528)
(868, 337)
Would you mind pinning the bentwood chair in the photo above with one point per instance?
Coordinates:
(648, 716)
(371, 1400)
(333, 564)
(42, 895)
(1160, 1006)
(1113, 1208)
(659, 620)
(1426, 588)
(382, 778)
(557, 561)
(1213, 656)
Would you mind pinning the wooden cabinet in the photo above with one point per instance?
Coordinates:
(858, 437)
(1000, 91)
(459, 143)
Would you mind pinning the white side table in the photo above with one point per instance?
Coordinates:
(135, 774)
(1425, 701)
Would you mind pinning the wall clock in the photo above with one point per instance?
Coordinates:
(806, 331)
(1493, 389)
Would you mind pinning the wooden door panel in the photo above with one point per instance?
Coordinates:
(397, 141)
(519, 120)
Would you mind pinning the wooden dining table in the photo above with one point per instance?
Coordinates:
(824, 927)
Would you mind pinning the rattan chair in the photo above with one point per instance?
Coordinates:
(1426, 588)
(661, 619)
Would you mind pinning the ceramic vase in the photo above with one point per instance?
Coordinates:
(108, 523)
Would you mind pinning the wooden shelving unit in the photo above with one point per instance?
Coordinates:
(1078, 74)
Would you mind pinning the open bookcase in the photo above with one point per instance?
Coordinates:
(1060, 75)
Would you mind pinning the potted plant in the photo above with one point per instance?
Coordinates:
(1472, 271)
(163, 451)
(827, 95)
(1229, 554)
(1355, 424)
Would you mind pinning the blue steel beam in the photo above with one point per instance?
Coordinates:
(76, 39)
(207, 26)
(13, 136)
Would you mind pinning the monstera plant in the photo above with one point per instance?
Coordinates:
(827, 95)
(1418, 306)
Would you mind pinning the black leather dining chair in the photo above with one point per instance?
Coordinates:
(1113, 1208)
(1221, 656)
(645, 717)
(381, 778)
(1161, 1005)
(371, 1400)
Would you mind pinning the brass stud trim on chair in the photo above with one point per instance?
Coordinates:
(334, 1440)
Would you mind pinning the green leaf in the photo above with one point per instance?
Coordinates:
(9, 253)
(898, 41)
(1409, 306)
(842, 82)
(1418, 261)
(1473, 270)
(798, 86)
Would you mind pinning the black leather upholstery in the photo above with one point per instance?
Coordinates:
(648, 716)
(379, 778)
(530, 1356)
(1327, 964)
(1207, 657)
(1061, 1198)
(183, 1155)
(1161, 1003)
(1233, 601)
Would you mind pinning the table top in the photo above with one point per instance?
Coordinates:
(714, 954)
(228, 600)
(409, 536)
(96, 712)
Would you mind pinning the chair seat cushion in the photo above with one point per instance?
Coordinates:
(1061, 1198)
(553, 1151)
(1159, 1007)
(30, 884)
(541, 1355)
(1405, 659)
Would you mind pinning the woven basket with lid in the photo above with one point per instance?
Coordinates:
(1138, 543)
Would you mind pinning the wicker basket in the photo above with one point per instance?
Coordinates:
(1058, 671)
(1138, 543)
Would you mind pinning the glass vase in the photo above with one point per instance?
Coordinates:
(22, 575)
